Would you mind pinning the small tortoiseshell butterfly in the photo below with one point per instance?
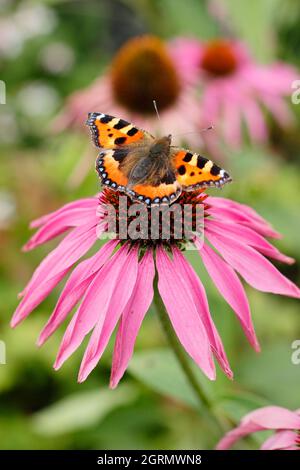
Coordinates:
(149, 170)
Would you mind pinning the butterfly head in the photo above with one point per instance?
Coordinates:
(161, 146)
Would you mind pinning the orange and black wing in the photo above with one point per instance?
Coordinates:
(109, 168)
(194, 171)
(110, 132)
(163, 194)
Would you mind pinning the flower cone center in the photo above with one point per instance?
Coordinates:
(168, 225)
(143, 71)
(219, 58)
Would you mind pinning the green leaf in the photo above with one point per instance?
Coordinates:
(272, 374)
(253, 21)
(237, 404)
(159, 370)
(81, 410)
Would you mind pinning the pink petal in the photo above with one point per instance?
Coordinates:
(34, 298)
(132, 318)
(254, 119)
(210, 106)
(269, 417)
(195, 287)
(182, 312)
(274, 417)
(232, 436)
(232, 121)
(60, 223)
(278, 108)
(87, 203)
(235, 212)
(252, 266)
(122, 293)
(248, 236)
(280, 440)
(186, 53)
(69, 250)
(230, 287)
(75, 288)
(95, 303)
(52, 270)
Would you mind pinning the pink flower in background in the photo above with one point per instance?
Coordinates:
(142, 71)
(234, 89)
(115, 285)
(285, 423)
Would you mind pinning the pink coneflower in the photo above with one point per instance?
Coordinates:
(234, 89)
(115, 285)
(285, 423)
(143, 70)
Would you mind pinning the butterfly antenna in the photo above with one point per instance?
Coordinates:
(156, 109)
(209, 128)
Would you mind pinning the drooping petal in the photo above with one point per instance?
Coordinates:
(183, 314)
(34, 298)
(253, 266)
(254, 118)
(61, 222)
(278, 108)
(226, 209)
(230, 287)
(95, 303)
(75, 288)
(232, 119)
(52, 270)
(269, 417)
(196, 288)
(68, 251)
(132, 318)
(186, 53)
(117, 303)
(248, 236)
(232, 436)
(274, 417)
(280, 440)
(81, 204)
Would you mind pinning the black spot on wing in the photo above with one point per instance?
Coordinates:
(188, 157)
(215, 170)
(122, 123)
(201, 161)
(181, 170)
(120, 154)
(132, 131)
(120, 140)
(168, 178)
(105, 119)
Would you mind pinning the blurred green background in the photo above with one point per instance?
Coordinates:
(153, 407)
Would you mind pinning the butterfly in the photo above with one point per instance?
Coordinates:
(148, 169)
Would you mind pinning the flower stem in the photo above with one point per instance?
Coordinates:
(205, 403)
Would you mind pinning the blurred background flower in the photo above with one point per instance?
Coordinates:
(70, 47)
(235, 91)
(142, 71)
(285, 423)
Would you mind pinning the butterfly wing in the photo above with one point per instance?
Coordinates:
(193, 171)
(110, 170)
(119, 141)
(110, 132)
(164, 191)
